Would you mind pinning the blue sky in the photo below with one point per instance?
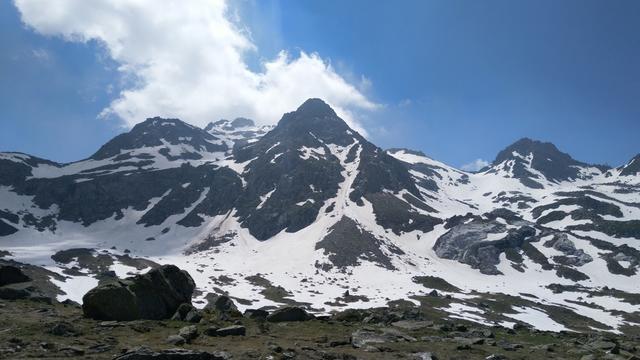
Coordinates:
(459, 80)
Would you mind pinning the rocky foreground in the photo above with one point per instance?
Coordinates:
(160, 324)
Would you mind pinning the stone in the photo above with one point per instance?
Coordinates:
(221, 303)
(189, 332)
(187, 312)
(469, 341)
(193, 316)
(72, 350)
(349, 315)
(63, 329)
(256, 314)
(182, 311)
(339, 342)
(602, 345)
(144, 353)
(370, 348)
(210, 331)
(289, 313)
(175, 340)
(496, 357)
(12, 275)
(234, 330)
(425, 356)
(69, 302)
(364, 337)
(412, 324)
(9, 293)
(154, 295)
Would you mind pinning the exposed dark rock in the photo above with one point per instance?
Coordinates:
(467, 243)
(12, 275)
(632, 167)
(154, 295)
(144, 353)
(176, 340)
(397, 215)
(234, 330)
(24, 291)
(189, 333)
(553, 164)
(364, 337)
(63, 329)
(187, 312)
(256, 314)
(289, 313)
(221, 303)
(347, 244)
(349, 315)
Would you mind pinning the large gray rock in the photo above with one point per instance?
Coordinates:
(154, 295)
(12, 275)
(221, 303)
(289, 313)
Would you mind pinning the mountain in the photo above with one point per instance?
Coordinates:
(632, 168)
(535, 162)
(309, 210)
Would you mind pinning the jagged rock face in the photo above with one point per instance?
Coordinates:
(347, 244)
(107, 196)
(292, 170)
(154, 295)
(157, 132)
(525, 155)
(632, 167)
(298, 166)
(399, 216)
(469, 243)
(12, 275)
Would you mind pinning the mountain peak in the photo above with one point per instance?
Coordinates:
(158, 131)
(315, 107)
(525, 155)
(632, 167)
(529, 147)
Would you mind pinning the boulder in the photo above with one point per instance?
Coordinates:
(289, 313)
(235, 330)
(63, 328)
(154, 295)
(188, 313)
(256, 314)
(349, 315)
(188, 332)
(221, 303)
(12, 275)
(144, 353)
(175, 340)
(23, 291)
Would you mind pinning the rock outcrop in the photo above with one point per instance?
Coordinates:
(289, 313)
(12, 275)
(154, 295)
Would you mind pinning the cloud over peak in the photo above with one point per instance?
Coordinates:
(187, 60)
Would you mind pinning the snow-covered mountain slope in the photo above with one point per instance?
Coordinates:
(303, 211)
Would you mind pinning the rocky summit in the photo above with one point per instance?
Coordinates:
(330, 246)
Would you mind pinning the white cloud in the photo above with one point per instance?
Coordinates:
(41, 54)
(475, 165)
(405, 102)
(187, 60)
